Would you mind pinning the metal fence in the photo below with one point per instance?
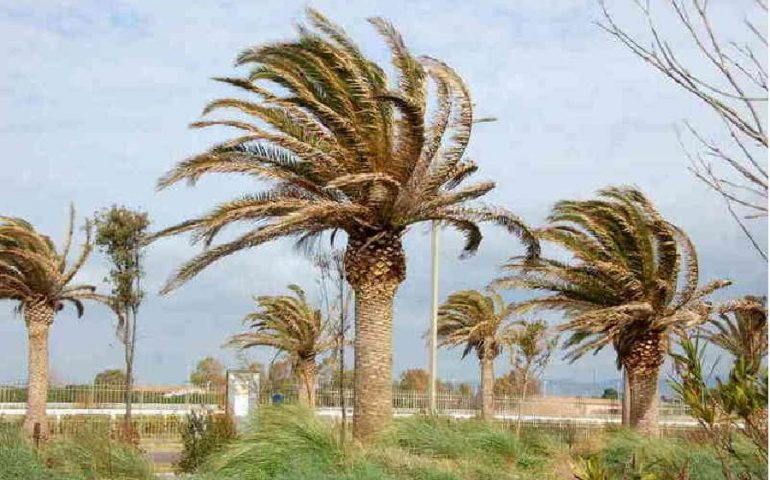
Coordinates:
(160, 412)
(101, 396)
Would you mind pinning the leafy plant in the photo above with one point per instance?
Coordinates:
(204, 434)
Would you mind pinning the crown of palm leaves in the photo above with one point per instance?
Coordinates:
(632, 272)
(341, 148)
(288, 324)
(32, 271)
(475, 320)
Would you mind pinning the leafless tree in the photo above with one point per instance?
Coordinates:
(730, 77)
(336, 297)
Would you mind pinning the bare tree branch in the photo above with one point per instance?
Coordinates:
(733, 84)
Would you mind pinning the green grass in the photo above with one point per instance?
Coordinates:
(290, 443)
(92, 457)
(627, 453)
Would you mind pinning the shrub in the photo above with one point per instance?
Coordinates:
(204, 434)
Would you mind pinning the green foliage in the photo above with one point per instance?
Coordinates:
(113, 376)
(446, 438)
(97, 457)
(610, 394)
(120, 234)
(209, 372)
(290, 443)
(204, 434)
(733, 410)
(83, 457)
(17, 458)
(279, 440)
(629, 455)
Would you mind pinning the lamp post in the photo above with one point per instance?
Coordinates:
(432, 364)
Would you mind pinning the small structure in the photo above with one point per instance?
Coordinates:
(242, 395)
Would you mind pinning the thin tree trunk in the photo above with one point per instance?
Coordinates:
(38, 317)
(642, 365)
(129, 350)
(487, 387)
(307, 382)
(522, 400)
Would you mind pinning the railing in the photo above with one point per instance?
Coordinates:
(112, 396)
(160, 413)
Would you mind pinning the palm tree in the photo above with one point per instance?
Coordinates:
(345, 151)
(38, 277)
(292, 326)
(740, 328)
(633, 279)
(478, 322)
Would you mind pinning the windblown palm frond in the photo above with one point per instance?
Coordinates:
(740, 328)
(288, 324)
(342, 149)
(32, 271)
(474, 320)
(632, 273)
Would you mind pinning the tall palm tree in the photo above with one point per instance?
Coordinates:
(38, 277)
(633, 279)
(344, 150)
(477, 321)
(292, 326)
(740, 328)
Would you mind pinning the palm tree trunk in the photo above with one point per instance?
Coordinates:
(38, 317)
(375, 266)
(306, 369)
(487, 387)
(642, 371)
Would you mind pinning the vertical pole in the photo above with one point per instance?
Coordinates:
(434, 246)
(626, 405)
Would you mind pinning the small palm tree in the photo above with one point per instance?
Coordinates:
(292, 326)
(740, 328)
(38, 277)
(344, 150)
(478, 322)
(633, 280)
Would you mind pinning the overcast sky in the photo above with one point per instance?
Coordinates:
(96, 96)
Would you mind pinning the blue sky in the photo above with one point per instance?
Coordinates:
(96, 96)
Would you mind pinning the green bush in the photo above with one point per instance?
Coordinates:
(204, 435)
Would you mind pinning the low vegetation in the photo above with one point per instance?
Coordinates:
(83, 457)
(289, 442)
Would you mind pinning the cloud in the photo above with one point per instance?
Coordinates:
(97, 96)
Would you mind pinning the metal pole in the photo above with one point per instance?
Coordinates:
(434, 246)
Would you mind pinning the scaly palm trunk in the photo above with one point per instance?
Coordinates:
(307, 372)
(642, 364)
(487, 387)
(375, 266)
(38, 317)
